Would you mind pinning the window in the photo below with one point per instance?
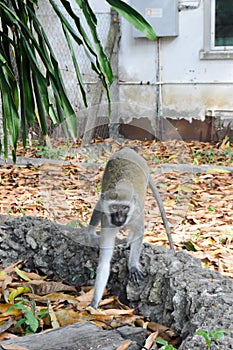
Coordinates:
(218, 29)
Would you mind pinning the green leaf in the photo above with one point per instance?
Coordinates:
(42, 313)
(19, 306)
(21, 274)
(18, 291)
(100, 64)
(211, 208)
(219, 333)
(73, 223)
(92, 23)
(165, 344)
(205, 335)
(11, 121)
(133, 17)
(191, 246)
(20, 322)
(31, 321)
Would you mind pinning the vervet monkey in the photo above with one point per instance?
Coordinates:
(121, 204)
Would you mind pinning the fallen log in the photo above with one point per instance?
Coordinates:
(79, 336)
(176, 291)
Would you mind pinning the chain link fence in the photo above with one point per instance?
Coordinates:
(53, 29)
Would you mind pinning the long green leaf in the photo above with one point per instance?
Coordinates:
(76, 66)
(85, 42)
(55, 77)
(133, 17)
(10, 113)
(92, 23)
(103, 68)
(40, 98)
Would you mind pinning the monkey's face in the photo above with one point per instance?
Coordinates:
(119, 214)
(119, 206)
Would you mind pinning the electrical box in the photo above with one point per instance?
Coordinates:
(161, 14)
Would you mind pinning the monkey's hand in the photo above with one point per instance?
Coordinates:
(136, 275)
(92, 237)
(124, 246)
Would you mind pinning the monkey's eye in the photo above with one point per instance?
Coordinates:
(114, 207)
(125, 208)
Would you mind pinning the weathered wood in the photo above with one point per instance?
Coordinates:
(78, 336)
(176, 291)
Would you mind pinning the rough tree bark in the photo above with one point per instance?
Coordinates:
(176, 292)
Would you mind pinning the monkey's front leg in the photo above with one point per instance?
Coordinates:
(135, 272)
(93, 238)
(107, 241)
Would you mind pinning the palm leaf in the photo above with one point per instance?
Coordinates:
(133, 17)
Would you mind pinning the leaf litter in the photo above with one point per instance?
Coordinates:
(22, 311)
(199, 208)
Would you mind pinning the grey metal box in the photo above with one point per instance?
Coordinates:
(161, 14)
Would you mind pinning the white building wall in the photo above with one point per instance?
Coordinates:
(193, 86)
(189, 87)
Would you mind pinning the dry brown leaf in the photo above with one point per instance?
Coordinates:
(164, 332)
(93, 311)
(53, 318)
(13, 347)
(5, 284)
(44, 288)
(5, 313)
(66, 317)
(11, 268)
(6, 336)
(119, 321)
(125, 345)
(150, 340)
(33, 276)
(57, 297)
(86, 297)
(5, 326)
(118, 312)
(107, 301)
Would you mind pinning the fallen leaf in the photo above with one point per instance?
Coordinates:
(53, 317)
(124, 346)
(13, 347)
(21, 274)
(118, 312)
(151, 340)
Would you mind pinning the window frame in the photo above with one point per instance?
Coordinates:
(210, 51)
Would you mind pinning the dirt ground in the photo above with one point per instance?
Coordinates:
(199, 206)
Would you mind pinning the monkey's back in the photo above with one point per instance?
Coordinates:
(126, 165)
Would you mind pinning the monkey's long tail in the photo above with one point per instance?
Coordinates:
(162, 211)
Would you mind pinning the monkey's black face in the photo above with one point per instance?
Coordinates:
(119, 214)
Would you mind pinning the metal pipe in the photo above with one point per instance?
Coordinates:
(212, 111)
(175, 83)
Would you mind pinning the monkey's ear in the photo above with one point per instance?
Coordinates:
(109, 195)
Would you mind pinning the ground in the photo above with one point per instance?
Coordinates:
(199, 206)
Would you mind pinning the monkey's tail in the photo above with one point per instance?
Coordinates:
(162, 211)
